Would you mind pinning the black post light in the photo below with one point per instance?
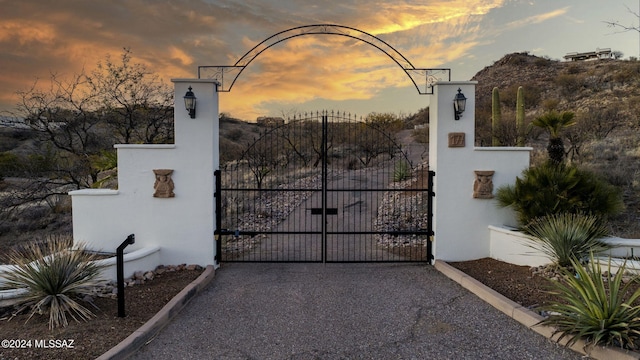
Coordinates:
(190, 103)
(131, 239)
(459, 103)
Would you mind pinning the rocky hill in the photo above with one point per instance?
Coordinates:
(576, 86)
(604, 95)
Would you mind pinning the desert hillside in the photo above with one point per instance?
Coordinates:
(604, 95)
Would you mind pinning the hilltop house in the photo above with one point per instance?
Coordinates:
(599, 54)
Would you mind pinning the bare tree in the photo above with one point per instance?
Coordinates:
(376, 136)
(596, 123)
(136, 103)
(626, 28)
(76, 119)
(296, 141)
(64, 116)
(262, 157)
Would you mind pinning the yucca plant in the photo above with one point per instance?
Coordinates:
(402, 171)
(51, 276)
(564, 237)
(596, 306)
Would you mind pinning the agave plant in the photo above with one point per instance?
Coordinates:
(51, 276)
(564, 237)
(596, 307)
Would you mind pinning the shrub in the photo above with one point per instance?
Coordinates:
(563, 237)
(52, 275)
(594, 307)
(542, 62)
(570, 85)
(554, 189)
(235, 134)
(9, 164)
(421, 135)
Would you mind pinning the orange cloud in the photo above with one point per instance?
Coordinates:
(171, 40)
(180, 55)
(27, 32)
(313, 67)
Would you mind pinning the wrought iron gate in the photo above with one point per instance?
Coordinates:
(325, 187)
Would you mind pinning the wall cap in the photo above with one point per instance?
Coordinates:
(502, 148)
(202, 81)
(94, 192)
(144, 146)
(456, 83)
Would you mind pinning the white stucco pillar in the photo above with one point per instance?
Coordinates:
(197, 148)
(461, 220)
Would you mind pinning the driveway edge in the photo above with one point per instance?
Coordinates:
(147, 331)
(527, 317)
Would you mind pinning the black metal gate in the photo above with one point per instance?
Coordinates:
(325, 187)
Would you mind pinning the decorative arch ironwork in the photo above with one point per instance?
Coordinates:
(423, 78)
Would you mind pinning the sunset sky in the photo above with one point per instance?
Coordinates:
(174, 37)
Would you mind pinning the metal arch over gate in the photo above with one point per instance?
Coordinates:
(422, 78)
(325, 187)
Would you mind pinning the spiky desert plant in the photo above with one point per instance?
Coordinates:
(51, 276)
(402, 171)
(520, 130)
(595, 306)
(564, 237)
(496, 116)
(554, 123)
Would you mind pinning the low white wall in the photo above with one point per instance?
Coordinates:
(511, 246)
(614, 264)
(145, 259)
(623, 248)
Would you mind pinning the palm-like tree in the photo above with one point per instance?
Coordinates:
(554, 123)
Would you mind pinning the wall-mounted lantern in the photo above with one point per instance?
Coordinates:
(459, 103)
(190, 103)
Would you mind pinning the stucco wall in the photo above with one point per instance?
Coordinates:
(182, 225)
(461, 221)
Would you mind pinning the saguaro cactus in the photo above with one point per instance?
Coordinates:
(496, 117)
(520, 117)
